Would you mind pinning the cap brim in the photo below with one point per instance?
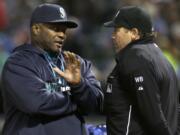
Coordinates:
(109, 24)
(69, 24)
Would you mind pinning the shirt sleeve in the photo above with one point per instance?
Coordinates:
(26, 91)
(145, 91)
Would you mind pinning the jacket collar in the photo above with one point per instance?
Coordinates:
(32, 48)
(28, 47)
(143, 41)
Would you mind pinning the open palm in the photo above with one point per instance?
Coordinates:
(72, 72)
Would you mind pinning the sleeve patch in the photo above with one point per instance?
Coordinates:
(139, 79)
(139, 83)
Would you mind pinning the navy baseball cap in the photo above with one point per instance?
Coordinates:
(51, 13)
(131, 17)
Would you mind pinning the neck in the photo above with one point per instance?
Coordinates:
(52, 55)
(36, 43)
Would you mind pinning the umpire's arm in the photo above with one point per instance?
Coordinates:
(145, 90)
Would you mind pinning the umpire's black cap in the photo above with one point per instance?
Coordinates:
(51, 13)
(132, 17)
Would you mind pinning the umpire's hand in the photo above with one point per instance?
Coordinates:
(72, 72)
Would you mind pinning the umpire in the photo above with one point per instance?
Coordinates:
(142, 90)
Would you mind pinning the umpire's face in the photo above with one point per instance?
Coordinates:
(123, 36)
(49, 36)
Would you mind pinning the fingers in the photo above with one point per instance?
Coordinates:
(78, 63)
(60, 73)
(72, 72)
(67, 56)
(71, 58)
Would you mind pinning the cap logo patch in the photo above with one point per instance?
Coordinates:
(62, 12)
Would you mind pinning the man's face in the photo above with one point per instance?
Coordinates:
(51, 37)
(121, 38)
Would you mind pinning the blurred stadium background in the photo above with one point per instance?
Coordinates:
(91, 40)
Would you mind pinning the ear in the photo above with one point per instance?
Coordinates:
(35, 29)
(135, 34)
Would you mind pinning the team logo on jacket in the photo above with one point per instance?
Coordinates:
(54, 86)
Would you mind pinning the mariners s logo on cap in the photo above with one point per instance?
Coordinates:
(62, 12)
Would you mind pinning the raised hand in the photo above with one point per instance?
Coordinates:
(72, 72)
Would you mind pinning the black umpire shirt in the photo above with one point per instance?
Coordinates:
(142, 92)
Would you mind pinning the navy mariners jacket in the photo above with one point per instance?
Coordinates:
(31, 109)
(142, 92)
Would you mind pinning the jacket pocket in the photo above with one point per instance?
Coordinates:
(38, 130)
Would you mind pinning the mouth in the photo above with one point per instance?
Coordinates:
(59, 44)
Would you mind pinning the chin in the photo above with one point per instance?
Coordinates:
(54, 52)
(57, 50)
